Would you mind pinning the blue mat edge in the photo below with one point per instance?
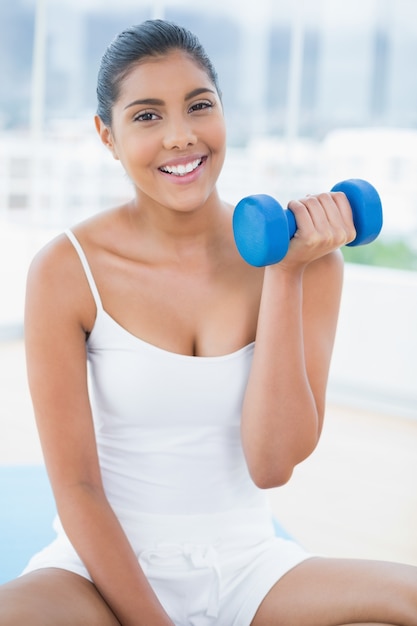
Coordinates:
(27, 513)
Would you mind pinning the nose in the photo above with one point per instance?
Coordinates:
(179, 134)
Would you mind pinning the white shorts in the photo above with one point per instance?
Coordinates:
(207, 570)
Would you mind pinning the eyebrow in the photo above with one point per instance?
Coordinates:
(158, 102)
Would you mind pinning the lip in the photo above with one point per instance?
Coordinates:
(187, 177)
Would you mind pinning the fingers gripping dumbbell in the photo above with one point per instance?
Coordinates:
(263, 229)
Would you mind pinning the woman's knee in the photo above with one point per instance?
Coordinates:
(53, 597)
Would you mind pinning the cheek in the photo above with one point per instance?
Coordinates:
(136, 152)
(216, 138)
(219, 132)
(220, 138)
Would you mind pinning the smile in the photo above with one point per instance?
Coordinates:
(181, 170)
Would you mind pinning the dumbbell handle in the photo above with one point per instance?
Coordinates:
(292, 224)
(263, 229)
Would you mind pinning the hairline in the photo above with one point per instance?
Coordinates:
(154, 57)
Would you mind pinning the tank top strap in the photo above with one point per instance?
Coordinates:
(86, 268)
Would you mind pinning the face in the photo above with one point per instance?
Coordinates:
(168, 131)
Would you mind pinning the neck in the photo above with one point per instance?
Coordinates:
(181, 234)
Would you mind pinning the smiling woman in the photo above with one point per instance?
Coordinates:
(166, 132)
(172, 382)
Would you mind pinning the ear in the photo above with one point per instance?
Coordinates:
(106, 136)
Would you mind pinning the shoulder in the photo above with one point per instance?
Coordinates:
(53, 261)
(57, 288)
(58, 258)
(56, 274)
(52, 284)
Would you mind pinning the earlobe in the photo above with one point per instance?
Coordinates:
(106, 136)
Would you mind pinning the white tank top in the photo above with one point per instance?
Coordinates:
(167, 425)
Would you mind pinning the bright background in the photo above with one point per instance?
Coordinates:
(314, 92)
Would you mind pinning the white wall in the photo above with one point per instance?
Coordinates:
(375, 358)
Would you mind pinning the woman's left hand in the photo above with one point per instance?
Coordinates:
(324, 224)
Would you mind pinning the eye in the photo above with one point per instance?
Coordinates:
(145, 116)
(200, 106)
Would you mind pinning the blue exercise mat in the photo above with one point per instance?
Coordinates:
(27, 510)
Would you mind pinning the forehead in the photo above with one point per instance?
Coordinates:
(173, 72)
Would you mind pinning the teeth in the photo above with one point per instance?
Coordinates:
(181, 170)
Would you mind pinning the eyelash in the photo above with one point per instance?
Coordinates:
(150, 116)
(200, 106)
(140, 116)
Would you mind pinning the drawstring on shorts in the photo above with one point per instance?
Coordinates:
(182, 561)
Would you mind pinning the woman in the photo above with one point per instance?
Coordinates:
(160, 462)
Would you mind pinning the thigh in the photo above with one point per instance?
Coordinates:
(53, 597)
(336, 592)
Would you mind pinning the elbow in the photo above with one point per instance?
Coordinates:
(271, 475)
(276, 468)
(272, 464)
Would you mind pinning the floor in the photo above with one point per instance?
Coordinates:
(356, 496)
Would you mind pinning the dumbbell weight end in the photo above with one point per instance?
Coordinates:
(366, 207)
(254, 219)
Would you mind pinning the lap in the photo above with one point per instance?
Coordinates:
(53, 597)
(336, 592)
(325, 592)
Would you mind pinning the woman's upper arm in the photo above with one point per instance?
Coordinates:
(58, 306)
(322, 291)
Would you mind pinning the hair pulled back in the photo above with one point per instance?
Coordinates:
(151, 38)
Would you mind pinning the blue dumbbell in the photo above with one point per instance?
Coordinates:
(263, 229)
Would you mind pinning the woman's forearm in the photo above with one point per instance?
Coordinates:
(101, 543)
